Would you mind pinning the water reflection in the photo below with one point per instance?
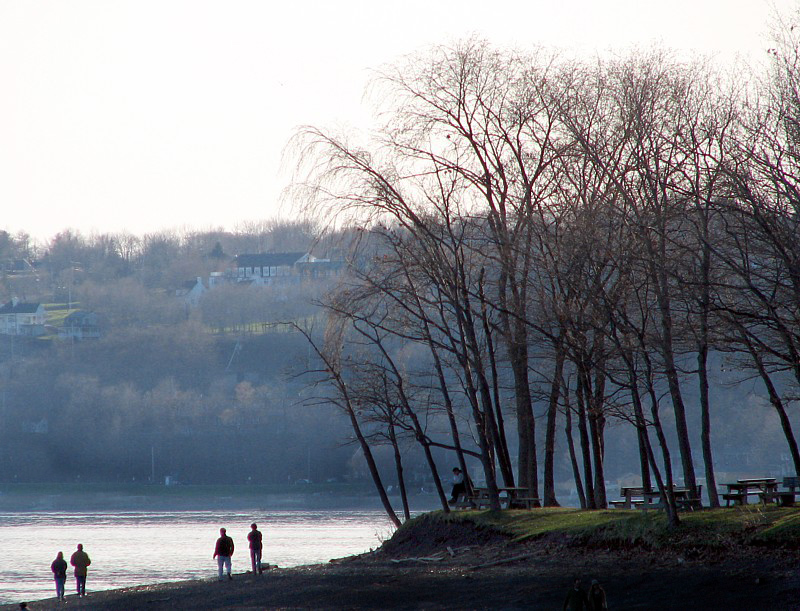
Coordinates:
(132, 548)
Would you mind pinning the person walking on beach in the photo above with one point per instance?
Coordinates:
(80, 560)
(256, 545)
(59, 568)
(597, 597)
(223, 552)
(576, 599)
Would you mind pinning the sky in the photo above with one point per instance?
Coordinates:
(148, 115)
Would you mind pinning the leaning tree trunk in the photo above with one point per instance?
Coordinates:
(398, 464)
(585, 443)
(774, 399)
(576, 471)
(550, 429)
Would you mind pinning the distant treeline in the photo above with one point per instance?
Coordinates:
(167, 389)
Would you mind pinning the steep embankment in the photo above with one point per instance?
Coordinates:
(738, 529)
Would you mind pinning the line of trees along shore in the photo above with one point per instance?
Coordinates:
(579, 236)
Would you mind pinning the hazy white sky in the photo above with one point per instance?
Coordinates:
(141, 115)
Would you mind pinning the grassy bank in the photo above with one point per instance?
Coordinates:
(709, 528)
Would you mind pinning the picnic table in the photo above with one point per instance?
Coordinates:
(517, 498)
(785, 498)
(766, 488)
(650, 498)
(511, 497)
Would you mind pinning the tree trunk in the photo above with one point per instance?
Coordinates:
(585, 443)
(576, 471)
(398, 464)
(550, 431)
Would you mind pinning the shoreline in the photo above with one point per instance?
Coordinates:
(18, 498)
(440, 563)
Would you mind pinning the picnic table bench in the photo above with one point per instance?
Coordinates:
(510, 498)
(785, 498)
(765, 488)
(640, 498)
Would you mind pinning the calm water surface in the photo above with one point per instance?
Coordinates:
(135, 548)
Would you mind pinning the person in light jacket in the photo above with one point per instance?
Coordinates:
(80, 560)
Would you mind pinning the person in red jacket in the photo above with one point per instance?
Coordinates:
(223, 552)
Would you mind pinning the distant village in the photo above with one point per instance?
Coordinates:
(30, 319)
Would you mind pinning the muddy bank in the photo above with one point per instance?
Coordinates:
(461, 566)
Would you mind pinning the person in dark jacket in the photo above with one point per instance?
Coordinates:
(59, 568)
(80, 560)
(576, 599)
(223, 552)
(597, 597)
(256, 545)
(459, 486)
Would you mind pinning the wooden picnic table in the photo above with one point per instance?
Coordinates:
(515, 497)
(785, 498)
(630, 495)
(766, 488)
(510, 497)
(637, 496)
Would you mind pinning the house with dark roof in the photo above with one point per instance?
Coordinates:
(81, 325)
(266, 268)
(22, 318)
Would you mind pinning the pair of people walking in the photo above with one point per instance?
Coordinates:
(81, 561)
(223, 551)
(579, 599)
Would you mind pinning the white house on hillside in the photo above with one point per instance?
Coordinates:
(22, 318)
(192, 291)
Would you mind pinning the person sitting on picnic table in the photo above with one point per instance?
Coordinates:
(459, 485)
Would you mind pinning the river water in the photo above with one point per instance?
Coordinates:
(135, 548)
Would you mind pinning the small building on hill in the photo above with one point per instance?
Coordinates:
(81, 325)
(192, 291)
(266, 268)
(22, 318)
